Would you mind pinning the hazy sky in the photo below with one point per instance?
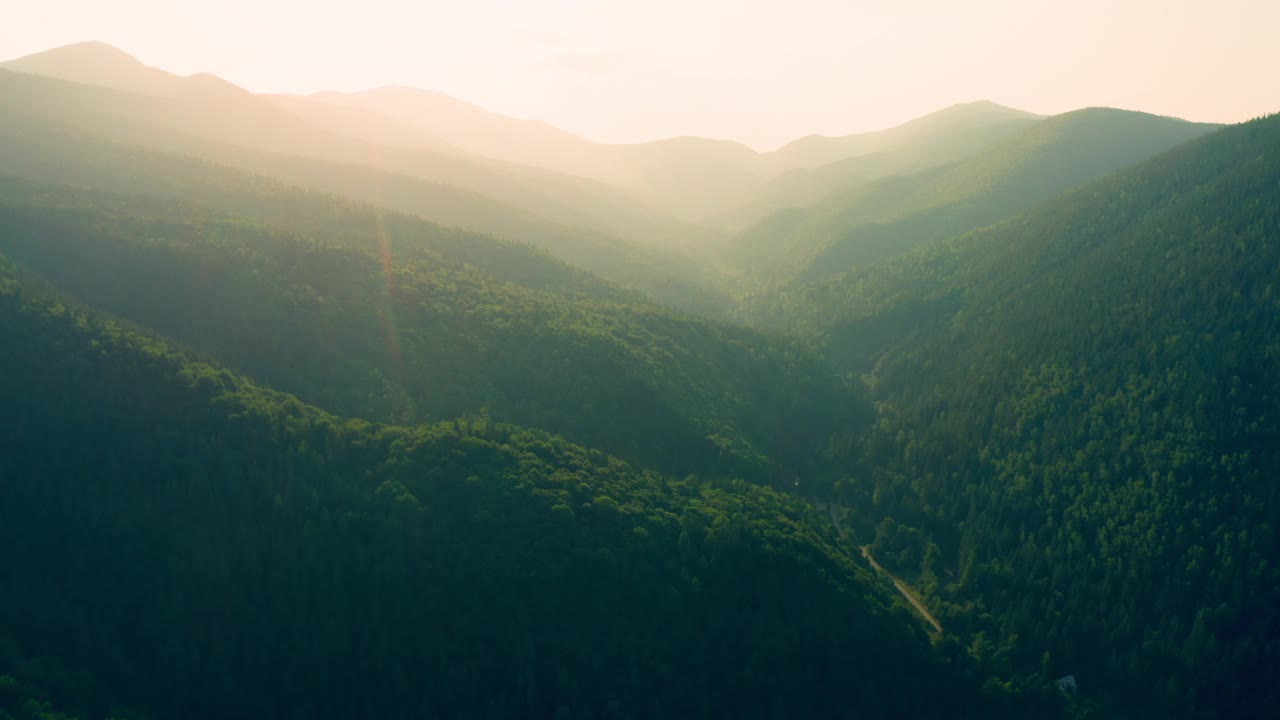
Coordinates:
(762, 72)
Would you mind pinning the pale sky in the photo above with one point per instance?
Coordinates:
(761, 72)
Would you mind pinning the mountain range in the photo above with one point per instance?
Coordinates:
(381, 404)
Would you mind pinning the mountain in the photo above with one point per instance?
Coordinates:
(97, 63)
(811, 169)
(688, 177)
(205, 108)
(1079, 411)
(250, 556)
(669, 192)
(46, 156)
(936, 128)
(870, 222)
(68, 133)
(698, 179)
(314, 409)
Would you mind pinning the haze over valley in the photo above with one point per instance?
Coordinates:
(378, 403)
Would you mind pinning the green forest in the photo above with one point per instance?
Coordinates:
(322, 567)
(971, 417)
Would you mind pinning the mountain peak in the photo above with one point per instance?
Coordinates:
(95, 63)
(94, 51)
(975, 109)
(985, 105)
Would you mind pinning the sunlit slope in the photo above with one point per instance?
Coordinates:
(868, 223)
(811, 169)
(97, 63)
(934, 129)
(181, 542)
(699, 179)
(398, 326)
(627, 190)
(209, 108)
(692, 178)
(46, 135)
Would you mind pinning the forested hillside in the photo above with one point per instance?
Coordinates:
(392, 326)
(249, 556)
(1079, 414)
(380, 404)
(55, 156)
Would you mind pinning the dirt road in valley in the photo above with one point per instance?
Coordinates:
(924, 612)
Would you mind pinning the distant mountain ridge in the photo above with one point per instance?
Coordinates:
(97, 63)
(814, 150)
(696, 178)
(870, 222)
(211, 108)
(699, 180)
(945, 136)
(380, 404)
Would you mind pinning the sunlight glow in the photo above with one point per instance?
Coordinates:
(759, 72)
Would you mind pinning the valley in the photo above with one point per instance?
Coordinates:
(377, 403)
